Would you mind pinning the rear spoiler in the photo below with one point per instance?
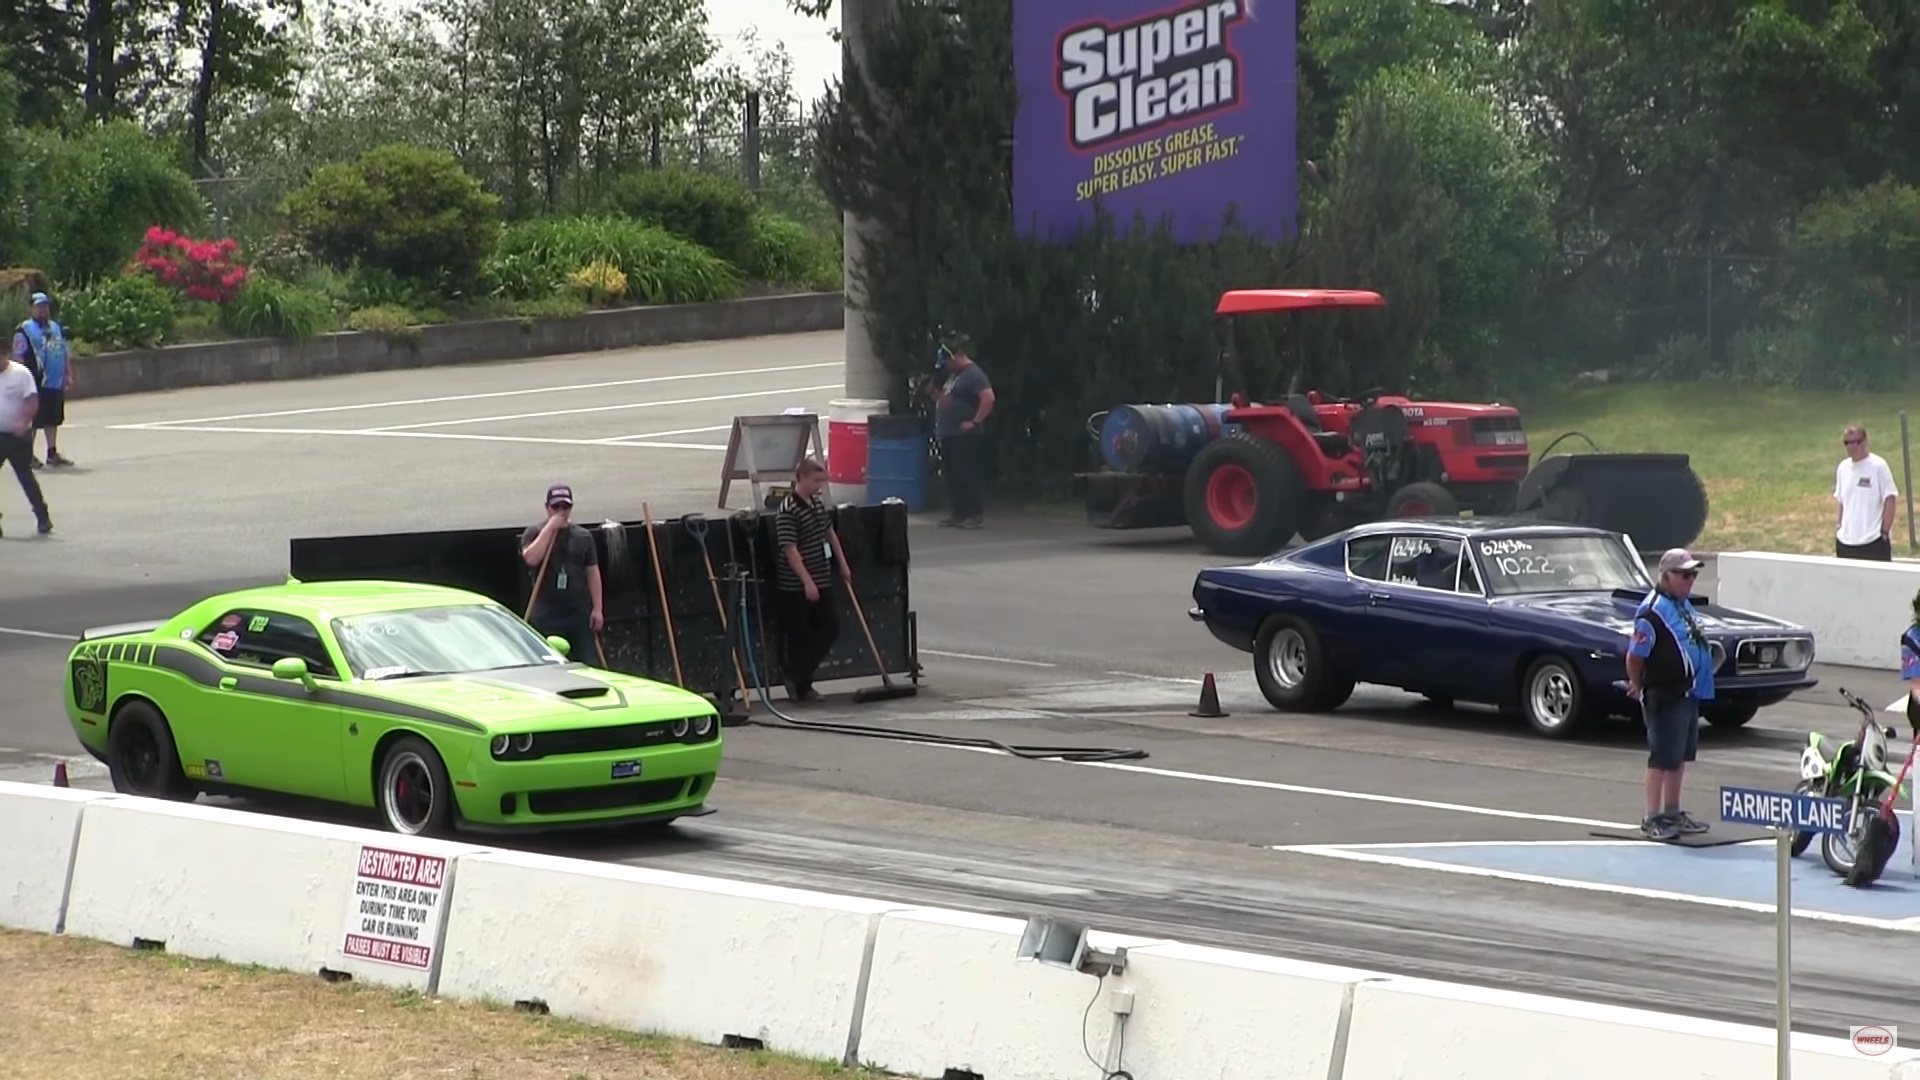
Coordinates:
(126, 629)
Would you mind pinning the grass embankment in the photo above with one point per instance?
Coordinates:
(1766, 456)
(86, 1010)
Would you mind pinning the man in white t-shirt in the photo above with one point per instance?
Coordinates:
(19, 403)
(1863, 487)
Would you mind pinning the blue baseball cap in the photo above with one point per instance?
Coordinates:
(39, 298)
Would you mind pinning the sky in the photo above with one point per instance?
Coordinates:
(816, 59)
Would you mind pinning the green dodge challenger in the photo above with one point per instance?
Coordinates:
(437, 707)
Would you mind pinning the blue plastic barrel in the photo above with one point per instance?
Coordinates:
(1158, 438)
(898, 460)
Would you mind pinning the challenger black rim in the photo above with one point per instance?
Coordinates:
(409, 794)
(140, 757)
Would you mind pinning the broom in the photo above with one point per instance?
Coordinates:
(660, 577)
(888, 690)
(1876, 847)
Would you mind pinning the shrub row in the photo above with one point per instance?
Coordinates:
(403, 237)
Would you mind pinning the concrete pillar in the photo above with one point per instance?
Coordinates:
(865, 376)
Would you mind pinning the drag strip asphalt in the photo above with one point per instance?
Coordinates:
(1243, 831)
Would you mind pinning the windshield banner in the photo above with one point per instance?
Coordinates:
(1156, 107)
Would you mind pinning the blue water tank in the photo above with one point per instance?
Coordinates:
(1158, 438)
(898, 460)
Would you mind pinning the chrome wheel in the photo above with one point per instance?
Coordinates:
(408, 793)
(1552, 696)
(1287, 658)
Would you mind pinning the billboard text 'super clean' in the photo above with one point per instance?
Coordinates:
(1126, 80)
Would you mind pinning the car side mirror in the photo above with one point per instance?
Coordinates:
(560, 644)
(293, 669)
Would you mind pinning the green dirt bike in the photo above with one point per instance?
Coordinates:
(1855, 770)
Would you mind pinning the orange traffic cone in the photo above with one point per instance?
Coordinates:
(60, 774)
(1209, 706)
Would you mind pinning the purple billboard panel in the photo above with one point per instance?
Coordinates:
(1181, 107)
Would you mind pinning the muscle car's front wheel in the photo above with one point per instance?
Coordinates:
(1552, 698)
(1293, 670)
(415, 796)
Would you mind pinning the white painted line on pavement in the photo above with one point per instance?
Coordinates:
(218, 430)
(618, 439)
(38, 634)
(1157, 678)
(991, 659)
(491, 394)
(1337, 852)
(1357, 796)
(601, 409)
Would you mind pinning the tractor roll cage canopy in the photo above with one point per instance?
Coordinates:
(1236, 302)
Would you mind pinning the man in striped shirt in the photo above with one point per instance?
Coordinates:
(806, 607)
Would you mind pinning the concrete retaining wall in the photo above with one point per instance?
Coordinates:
(273, 360)
(920, 992)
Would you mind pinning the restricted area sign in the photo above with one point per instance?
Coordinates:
(394, 914)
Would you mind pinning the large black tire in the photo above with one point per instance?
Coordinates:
(141, 756)
(1422, 498)
(409, 765)
(1552, 698)
(1876, 850)
(1293, 670)
(1245, 496)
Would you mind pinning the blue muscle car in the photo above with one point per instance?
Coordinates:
(1522, 615)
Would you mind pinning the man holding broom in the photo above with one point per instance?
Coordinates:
(566, 578)
(806, 607)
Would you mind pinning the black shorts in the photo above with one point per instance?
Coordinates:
(53, 409)
(1880, 550)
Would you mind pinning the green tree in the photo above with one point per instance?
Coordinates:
(413, 213)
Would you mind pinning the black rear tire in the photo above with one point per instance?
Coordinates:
(1293, 670)
(1279, 496)
(142, 758)
(1730, 716)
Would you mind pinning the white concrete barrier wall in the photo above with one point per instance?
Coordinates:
(39, 826)
(1855, 609)
(258, 889)
(948, 991)
(915, 991)
(647, 950)
(1413, 1029)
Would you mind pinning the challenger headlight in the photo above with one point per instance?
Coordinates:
(702, 726)
(680, 728)
(500, 746)
(522, 744)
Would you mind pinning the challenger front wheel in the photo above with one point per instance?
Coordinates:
(413, 795)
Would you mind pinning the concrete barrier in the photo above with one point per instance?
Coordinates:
(1413, 1029)
(1855, 609)
(250, 888)
(646, 950)
(39, 826)
(919, 992)
(948, 991)
(271, 359)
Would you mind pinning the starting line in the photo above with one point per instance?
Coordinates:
(1738, 876)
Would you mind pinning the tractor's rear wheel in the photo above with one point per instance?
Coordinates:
(1245, 496)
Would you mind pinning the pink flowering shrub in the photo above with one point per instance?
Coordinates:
(207, 270)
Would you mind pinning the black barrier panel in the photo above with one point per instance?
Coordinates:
(636, 639)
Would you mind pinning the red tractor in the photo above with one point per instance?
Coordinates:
(1247, 478)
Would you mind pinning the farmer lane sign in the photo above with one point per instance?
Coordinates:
(1787, 810)
(1156, 107)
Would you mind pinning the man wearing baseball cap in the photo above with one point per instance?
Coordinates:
(41, 345)
(566, 569)
(1670, 672)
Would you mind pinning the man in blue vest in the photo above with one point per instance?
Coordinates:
(41, 345)
(1670, 672)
